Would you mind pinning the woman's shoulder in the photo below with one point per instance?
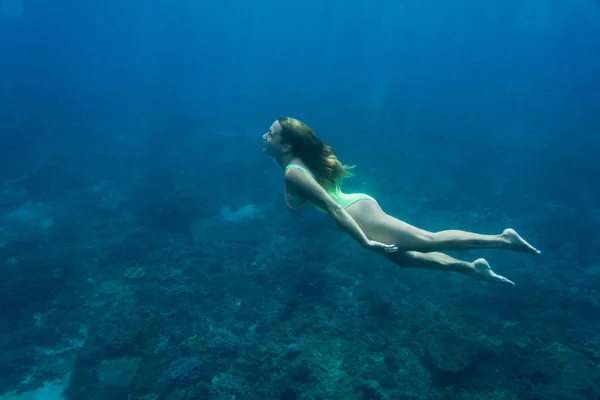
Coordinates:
(298, 165)
(292, 171)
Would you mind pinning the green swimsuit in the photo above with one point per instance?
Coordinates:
(343, 199)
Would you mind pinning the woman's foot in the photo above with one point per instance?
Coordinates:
(518, 243)
(481, 270)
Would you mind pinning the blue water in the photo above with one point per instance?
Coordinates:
(143, 230)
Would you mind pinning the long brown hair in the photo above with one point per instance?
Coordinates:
(318, 156)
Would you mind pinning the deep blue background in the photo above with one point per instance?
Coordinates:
(520, 77)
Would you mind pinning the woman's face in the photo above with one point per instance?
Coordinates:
(272, 141)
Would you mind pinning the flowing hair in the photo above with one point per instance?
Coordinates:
(318, 156)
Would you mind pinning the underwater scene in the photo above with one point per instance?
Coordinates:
(304, 200)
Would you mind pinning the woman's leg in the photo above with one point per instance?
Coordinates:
(479, 269)
(384, 228)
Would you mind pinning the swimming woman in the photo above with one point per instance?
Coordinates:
(313, 174)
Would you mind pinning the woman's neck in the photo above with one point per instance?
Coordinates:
(285, 159)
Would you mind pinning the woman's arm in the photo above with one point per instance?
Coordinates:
(305, 186)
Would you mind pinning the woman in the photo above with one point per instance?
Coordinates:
(312, 175)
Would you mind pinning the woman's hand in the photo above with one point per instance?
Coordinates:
(380, 247)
